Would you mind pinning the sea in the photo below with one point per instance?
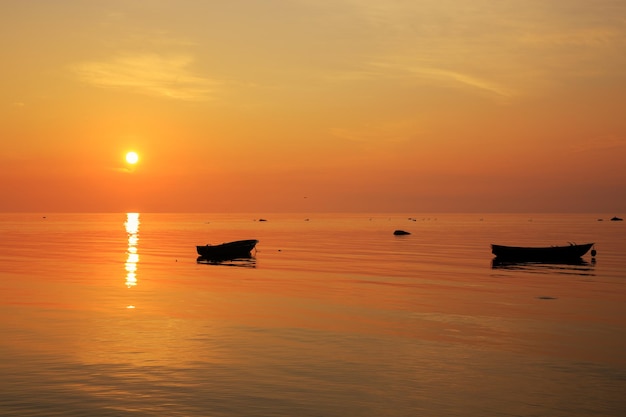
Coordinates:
(113, 315)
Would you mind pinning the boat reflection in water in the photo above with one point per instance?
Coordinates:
(570, 267)
(249, 262)
(132, 258)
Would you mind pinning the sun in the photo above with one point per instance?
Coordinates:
(132, 158)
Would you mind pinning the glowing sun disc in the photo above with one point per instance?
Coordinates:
(132, 157)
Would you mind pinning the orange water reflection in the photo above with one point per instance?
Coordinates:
(132, 258)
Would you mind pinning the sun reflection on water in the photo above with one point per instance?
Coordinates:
(132, 259)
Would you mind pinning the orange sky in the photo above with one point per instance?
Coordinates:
(313, 105)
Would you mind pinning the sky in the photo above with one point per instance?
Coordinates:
(406, 106)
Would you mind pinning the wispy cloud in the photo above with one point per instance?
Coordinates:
(501, 49)
(152, 74)
(449, 78)
(465, 80)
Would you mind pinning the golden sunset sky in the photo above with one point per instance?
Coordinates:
(313, 105)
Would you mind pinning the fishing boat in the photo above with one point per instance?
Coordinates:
(541, 254)
(228, 250)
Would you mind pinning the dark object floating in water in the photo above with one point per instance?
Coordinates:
(546, 297)
(401, 232)
(616, 219)
(262, 220)
(541, 254)
(227, 251)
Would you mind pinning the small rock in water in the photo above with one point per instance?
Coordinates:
(401, 232)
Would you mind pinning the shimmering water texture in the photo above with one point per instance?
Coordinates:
(112, 315)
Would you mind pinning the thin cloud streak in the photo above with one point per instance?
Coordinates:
(149, 74)
(466, 80)
(447, 78)
(504, 49)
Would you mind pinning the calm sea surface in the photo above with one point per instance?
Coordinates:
(111, 315)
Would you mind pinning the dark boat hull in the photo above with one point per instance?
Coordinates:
(226, 251)
(540, 254)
